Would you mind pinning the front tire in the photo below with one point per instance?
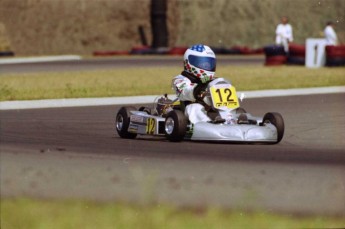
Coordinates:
(175, 126)
(122, 122)
(277, 120)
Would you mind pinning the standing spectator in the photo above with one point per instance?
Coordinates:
(330, 35)
(284, 33)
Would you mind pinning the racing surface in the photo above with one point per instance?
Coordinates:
(75, 152)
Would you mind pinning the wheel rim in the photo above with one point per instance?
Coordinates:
(169, 125)
(267, 121)
(119, 122)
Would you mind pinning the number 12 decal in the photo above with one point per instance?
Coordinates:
(224, 96)
(226, 91)
(150, 126)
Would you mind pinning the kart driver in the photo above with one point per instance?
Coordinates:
(199, 69)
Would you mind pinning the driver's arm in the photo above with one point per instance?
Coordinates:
(184, 88)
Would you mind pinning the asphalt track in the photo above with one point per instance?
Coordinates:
(89, 64)
(75, 153)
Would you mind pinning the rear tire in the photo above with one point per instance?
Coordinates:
(240, 110)
(122, 122)
(175, 126)
(277, 120)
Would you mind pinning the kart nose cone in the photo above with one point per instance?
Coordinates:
(240, 133)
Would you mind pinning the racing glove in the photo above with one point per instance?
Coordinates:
(199, 91)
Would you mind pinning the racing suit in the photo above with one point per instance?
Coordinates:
(187, 88)
(284, 35)
(330, 35)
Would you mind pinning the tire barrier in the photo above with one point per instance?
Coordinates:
(6, 53)
(231, 51)
(259, 51)
(335, 55)
(177, 50)
(275, 60)
(237, 50)
(225, 51)
(147, 50)
(110, 53)
(274, 50)
(296, 55)
(137, 50)
(247, 51)
(297, 50)
(295, 60)
(141, 50)
(275, 55)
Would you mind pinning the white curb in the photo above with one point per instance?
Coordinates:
(39, 59)
(57, 103)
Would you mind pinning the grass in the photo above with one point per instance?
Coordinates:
(30, 213)
(156, 81)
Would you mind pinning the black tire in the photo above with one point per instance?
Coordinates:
(295, 60)
(218, 50)
(141, 50)
(6, 53)
(296, 50)
(122, 122)
(335, 51)
(275, 60)
(274, 50)
(335, 61)
(277, 120)
(231, 51)
(175, 126)
(177, 51)
(240, 110)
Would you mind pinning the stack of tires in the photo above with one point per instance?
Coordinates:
(275, 55)
(335, 55)
(296, 54)
(141, 50)
(110, 53)
(178, 51)
(6, 53)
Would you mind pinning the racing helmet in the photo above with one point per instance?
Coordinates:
(200, 61)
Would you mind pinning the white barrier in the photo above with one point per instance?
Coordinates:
(315, 53)
(148, 99)
(16, 60)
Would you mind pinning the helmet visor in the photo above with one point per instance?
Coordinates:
(205, 63)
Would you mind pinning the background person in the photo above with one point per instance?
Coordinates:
(284, 33)
(330, 35)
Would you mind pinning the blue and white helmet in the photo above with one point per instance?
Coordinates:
(200, 61)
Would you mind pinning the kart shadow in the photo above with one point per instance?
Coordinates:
(163, 139)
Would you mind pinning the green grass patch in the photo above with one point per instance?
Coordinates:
(156, 81)
(30, 213)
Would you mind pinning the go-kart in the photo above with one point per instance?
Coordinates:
(229, 122)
